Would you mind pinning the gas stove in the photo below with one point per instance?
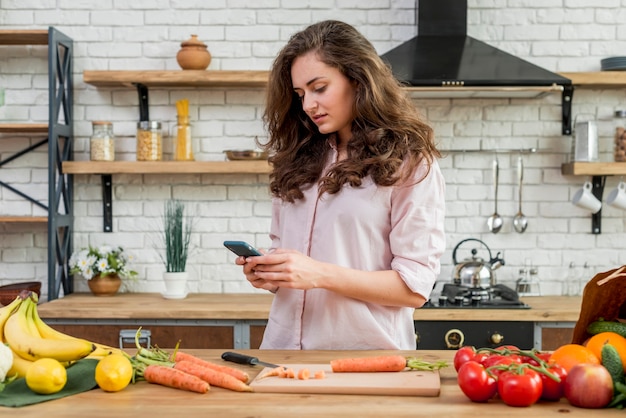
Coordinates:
(497, 296)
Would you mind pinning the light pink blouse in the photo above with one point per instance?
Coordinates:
(368, 228)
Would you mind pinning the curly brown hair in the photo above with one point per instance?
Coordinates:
(389, 140)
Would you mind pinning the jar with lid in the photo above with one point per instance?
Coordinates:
(149, 141)
(183, 147)
(101, 143)
(620, 136)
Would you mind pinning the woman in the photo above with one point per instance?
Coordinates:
(358, 199)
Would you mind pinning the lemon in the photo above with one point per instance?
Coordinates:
(46, 376)
(114, 372)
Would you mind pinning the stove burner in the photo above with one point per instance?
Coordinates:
(496, 296)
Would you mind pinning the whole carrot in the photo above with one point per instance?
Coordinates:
(236, 373)
(211, 376)
(177, 379)
(369, 364)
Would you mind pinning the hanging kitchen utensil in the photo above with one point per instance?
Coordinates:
(520, 222)
(494, 222)
(476, 272)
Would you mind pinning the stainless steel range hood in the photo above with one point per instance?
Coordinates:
(443, 61)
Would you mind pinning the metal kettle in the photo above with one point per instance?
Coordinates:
(476, 272)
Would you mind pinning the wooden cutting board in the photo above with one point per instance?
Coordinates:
(409, 382)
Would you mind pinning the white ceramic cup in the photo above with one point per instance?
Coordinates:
(585, 199)
(617, 196)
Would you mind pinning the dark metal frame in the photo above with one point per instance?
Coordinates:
(60, 148)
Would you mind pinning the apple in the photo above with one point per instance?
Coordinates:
(588, 386)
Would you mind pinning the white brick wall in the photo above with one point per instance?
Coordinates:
(560, 35)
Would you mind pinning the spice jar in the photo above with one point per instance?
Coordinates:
(620, 136)
(149, 141)
(183, 148)
(101, 144)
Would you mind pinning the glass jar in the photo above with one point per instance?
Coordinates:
(620, 136)
(101, 143)
(149, 141)
(183, 148)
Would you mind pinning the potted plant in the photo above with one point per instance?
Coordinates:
(103, 267)
(177, 228)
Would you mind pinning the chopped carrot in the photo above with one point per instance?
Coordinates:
(369, 364)
(319, 374)
(177, 379)
(290, 373)
(276, 371)
(211, 376)
(304, 374)
(241, 375)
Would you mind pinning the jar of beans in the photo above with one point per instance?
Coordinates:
(149, 141)
(620, 135)
(101, 143)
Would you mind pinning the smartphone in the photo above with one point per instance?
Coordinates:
(241, 248)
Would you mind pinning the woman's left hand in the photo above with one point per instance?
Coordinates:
(287, 268)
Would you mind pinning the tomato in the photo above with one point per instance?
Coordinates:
(463, 355)
(521, 387)
(502, 359)
(476, 383)
(541, 356)
(481, 357)
(553, 390)
(507, 347)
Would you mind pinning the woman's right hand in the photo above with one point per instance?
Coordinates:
(255, 281)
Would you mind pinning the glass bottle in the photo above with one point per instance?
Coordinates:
(620, 136)
(149, 141)
(183, 148)
(101, 143)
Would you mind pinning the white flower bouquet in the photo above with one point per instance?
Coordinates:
(103, 261)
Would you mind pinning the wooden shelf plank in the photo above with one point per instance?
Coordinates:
(598, 79)
(18, 128)
(23, 219)
(166, 167)
(177, 78)
(24, 37)
(594, 169)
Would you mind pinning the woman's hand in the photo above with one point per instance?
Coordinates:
(248, 271)
(283, 268)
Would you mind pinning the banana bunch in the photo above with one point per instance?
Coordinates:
(30, 338)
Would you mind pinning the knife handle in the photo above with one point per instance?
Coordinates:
(239, 358)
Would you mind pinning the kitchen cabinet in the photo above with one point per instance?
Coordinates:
(58, 134)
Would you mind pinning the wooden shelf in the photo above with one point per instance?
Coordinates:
(594, 169)
(20, 128)
(23, 219)
(598, 79)
(166, 167)
(177, 78)
(24, 37)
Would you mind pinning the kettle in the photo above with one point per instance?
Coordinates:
(475, 272)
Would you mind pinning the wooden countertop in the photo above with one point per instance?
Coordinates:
(256, 307)
(144, 399)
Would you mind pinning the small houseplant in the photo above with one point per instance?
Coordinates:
(177, 227)
(102, 266)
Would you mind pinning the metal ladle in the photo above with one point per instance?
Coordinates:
(495, 221)
(520, 222)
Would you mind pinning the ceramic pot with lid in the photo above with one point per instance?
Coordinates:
(476, 272)
(193, 54)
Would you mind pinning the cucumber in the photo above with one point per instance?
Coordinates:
(613, 363)
(601, 325)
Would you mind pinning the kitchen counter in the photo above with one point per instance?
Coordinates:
(144, 399)
(257, 306)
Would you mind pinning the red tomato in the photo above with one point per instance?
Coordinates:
(553, 390)
(503, 362)
(463, 355)
(541, 356)
(520, 387)
(507, 347)
(481, 357)
(476, 383)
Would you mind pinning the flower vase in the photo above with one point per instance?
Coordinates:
(104, 285)
(175, 285)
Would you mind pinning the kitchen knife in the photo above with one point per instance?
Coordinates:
(244, 359)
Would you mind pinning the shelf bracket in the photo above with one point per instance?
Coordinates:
(144, 111)
(566, 108)
(107, 203)
(597, 190)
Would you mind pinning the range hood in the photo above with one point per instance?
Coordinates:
(443, 61)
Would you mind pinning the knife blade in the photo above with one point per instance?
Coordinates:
(244, 359)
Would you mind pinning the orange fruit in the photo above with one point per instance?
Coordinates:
(596, 342)
(569, 355)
